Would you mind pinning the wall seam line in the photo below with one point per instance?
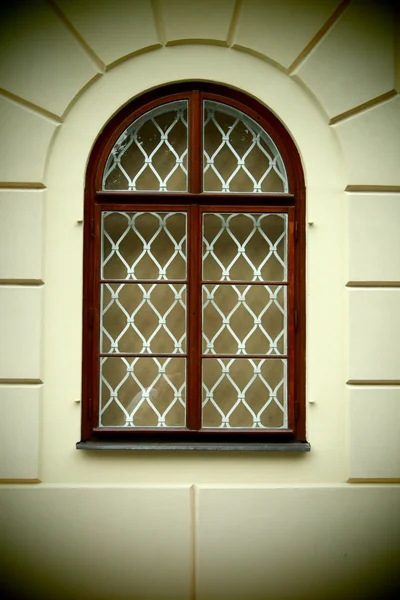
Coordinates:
(194, 494)
(158, 22)
(90, 53)
(234, 24)
(31, 107)
(318, 37)
(365, 106)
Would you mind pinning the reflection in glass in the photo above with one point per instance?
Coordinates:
(142, 392)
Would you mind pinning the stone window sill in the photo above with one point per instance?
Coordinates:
(198, 447)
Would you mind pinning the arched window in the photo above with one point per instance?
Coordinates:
(194, 277)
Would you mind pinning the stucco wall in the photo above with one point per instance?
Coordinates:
(331, 72)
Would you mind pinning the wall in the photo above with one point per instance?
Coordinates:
(100, 525)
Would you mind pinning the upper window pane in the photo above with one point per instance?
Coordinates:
(151, 154)
(239, 155)
(143, 245)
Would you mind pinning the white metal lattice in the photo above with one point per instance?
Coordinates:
(133, 321)
(178, 246)
(147, 394)
(258, 139)
(131, 136)
(241, 391)
(240, 338)
(257, 229)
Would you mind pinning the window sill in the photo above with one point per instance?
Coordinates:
(199, 446)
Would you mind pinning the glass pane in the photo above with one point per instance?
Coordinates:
(244, 247)
(239, 319)
(239, 155)
(244, 393)
(142, 392)
(143, 245)
(148, 318)
(151, 154)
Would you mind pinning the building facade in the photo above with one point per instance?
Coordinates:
(203, 525)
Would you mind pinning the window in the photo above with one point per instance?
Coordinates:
(194, 276)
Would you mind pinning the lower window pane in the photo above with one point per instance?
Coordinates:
(142, 392)
(244, 393)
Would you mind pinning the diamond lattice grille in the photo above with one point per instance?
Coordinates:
(239, 156)
(143, 245)
(143, 317)
(151, 154)
(241, 319)
(244, 393)
(142, 392)
(246, 319)
(245, 246)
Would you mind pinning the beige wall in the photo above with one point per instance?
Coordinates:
(329, 71)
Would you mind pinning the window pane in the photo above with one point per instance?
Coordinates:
(239, 155)
(148, 318)
(244, 393)
(142, 392)
(143, 245)
(244, 247)
(239, 319)
(151, 154)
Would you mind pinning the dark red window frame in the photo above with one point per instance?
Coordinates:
(195, 201)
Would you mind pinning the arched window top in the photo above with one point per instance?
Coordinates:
(152, 154)
(239, 155)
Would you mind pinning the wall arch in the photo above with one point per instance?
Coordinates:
(65, 176)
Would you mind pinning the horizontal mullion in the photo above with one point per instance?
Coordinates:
(185, 431)
(202, 196)
(238, 282)
(157, 281)
(244, 356)
(140, 355)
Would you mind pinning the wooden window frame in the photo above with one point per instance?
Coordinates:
(196, 201)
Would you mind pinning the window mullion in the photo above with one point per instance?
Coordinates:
(195, 143)
(193, 414)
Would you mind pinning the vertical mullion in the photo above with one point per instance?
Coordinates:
(193, 399)
(195, 143)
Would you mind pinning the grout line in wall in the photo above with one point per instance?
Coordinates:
(318, 37)
(373, 382)
(24, 186)
(94, 58)
(194, 504)
(18, 381)
(373, 189)
(35, 108)
(15, 481)
(348, 114)
(396, 65)
(74, 100)
(373, 284)
(373, 480)
(21, 282)
(133, 54)
(158, 22)
(233, 27)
